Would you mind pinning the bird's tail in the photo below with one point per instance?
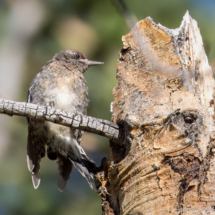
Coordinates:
(87, 168)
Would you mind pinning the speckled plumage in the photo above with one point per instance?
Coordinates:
(60, 84)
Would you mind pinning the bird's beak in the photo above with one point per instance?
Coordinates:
(91, 63)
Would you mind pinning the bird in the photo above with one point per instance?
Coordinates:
(60, 84)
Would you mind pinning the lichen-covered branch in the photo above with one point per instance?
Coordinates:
(101, 127)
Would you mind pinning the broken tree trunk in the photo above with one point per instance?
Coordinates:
(164, 107)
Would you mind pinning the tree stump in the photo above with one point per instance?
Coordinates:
(163, 104)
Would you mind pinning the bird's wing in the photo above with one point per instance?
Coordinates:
(35, 151)
(65, 164)
(82, 163)
(92, 181)
(35, 146)
(87, 168)
(64, 170)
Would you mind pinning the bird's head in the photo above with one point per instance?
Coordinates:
(75, 58)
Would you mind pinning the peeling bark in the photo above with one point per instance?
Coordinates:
(163, 104)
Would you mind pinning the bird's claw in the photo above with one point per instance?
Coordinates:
(79, 115)
(102, 191)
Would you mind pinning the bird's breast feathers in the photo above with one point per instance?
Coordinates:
(61, 87)
(66, 100)
(67, 97)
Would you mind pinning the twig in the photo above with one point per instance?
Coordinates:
(130, 18)
(101, 127)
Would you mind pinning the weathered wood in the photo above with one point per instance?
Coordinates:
(74, 120)
(164, 104)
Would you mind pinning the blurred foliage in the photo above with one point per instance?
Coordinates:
(94, 27)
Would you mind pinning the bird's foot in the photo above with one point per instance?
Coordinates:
(78, 116)
(102, 191)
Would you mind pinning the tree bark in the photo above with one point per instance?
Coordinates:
(77, 120)
(164, 106)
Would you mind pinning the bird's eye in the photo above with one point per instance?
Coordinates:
(78, 56)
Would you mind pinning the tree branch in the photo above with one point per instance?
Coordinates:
(101, 127)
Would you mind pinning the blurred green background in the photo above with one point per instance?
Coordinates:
(31, 32)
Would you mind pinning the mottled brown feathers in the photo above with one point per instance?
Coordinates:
(60, 84)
